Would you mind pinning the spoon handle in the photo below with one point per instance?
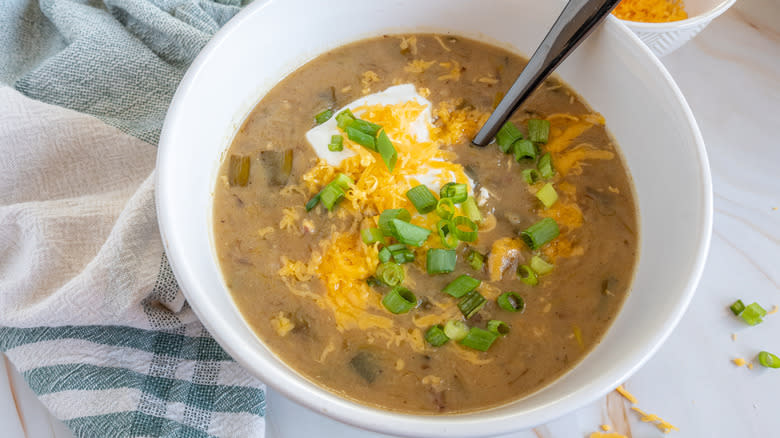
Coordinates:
(575, 23)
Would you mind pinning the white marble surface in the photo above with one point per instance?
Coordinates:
(730, 75)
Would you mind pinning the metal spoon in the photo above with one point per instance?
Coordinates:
(575, 23)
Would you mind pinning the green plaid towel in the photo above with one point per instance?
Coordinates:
(90, 312)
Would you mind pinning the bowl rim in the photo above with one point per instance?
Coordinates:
(695, 21)
(415, 425)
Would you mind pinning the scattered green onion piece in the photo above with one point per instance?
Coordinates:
(336, 143)
(440, 261)
(524, 149)
(422, 198)
(391, 274)
(471, 303)
(527, 275)
(323, 116)
(469, 235)
(737, 307)
(476, 260)
(753, 314)
(540, 266)
(373, 282)
(238, 172)
(545, 166)
(436, 336)
(372, 235)
(403, 256)
(479, 339)
(471, 210)
(538, 130)
(766, 359)
(445, 208)
(343, 181)
(361, 138)
(498, 327)
(385, 255)
(507, 135)
(455, 191)
(387, 216)
(386, 150)
(511, 302)
(408, 233)
(446, 233)
(344, 118)
(540, 233)
(330, 195)
(456, 330)
(531, 176)
(364, 126)
(396, 247)
(313, 201)
(547, 195)
(461, 286)
(399, 300)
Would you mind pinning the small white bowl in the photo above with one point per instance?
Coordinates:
(612, 70)
(665, 38)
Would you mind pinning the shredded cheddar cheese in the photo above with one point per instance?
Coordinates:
(651, 11)
(606, 435)
(265, 231)
(368, 78)
(739, 361)
(606, 427)
(441, 43)
(662, 425)
(290, 219)
(418, 66)
(454, 71)
(281, 324)
(630, 397)
(773, 311)
(326, 351)
(409, 44)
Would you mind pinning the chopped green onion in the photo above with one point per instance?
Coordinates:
(330, 195)
(471, 303)
(408, 233)
(479, 339)
(391, 274)
(524, 149)
(238, 172)
(323, 116)
(396, 247)
(446, 233)
(545, 166)
(361, 138)
(313, 201)
(386, 150)
(456, 330)
(476, 260)
(527, 275)
(498, 327)
(343, 181)
(364, 126)
(469, 235)
(403, 256)
(461, 286)
(540, 266)
(471, 210)
(455, 191)
(547, 195)
(753, 314)
(440, 261)
(507, 135)
(372, 235)
(436, 336)
(344, 118)
(737, 307)
(384, 255)
(399, 300)
(387, 216)
(531, 176)
(538, 130)
(540, 233)
(511, 302)
(445, 208)
(422, 198)
(766, 359)
(373, 282)
(336, 143)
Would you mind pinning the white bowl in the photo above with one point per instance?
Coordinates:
(665, 38)
(613, 71)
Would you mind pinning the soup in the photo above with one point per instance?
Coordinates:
(379, 254)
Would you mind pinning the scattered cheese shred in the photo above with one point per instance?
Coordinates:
(505, 253)
(606, 435)
(773, 311)
(418, 66)
(289, 220)
(326, 351)
(630, 397)
(489, 80)
(368, 78)
(281, 324)
(606, 427)
(651, 11)
(739, 361)
(454, 73)
(409, 44)
(265, 231)
(441, 43)
(733, 336)
(662, 425)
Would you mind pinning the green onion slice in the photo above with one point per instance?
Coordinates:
(409, 234)
(768, 360)
(387, 216)
(436, 336)
(361, 138)
(540, 266)
(469, 235)
(527, 275)
(344, 118)
(445, 208)
(737, 307)
(455, 191)
(524, 149)
(386, 150)
(538, 130)
(422, 198)
(540, 233)
(471, 210)
(511, 302)
(343, 181)
(391, 274)
(446, 233)
(330, 195)
(323, 116)
(498, 327)
(507, 135)
(440, 261)
(531, 176)
(479, 339)
(471, 303)
(476, 260)
(373, 282)
(336, 143)
(403, 256)
(545, 167)
(753, 314)
(363, 126)
(313, 201)
(238, 172)
(372, 235)
(461, 286)
(547, 195)
(384, 255)
(456, 330)
(399, 300)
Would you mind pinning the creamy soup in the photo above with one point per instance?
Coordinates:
(382, 256)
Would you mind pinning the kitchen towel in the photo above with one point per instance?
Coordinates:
(90, 312)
